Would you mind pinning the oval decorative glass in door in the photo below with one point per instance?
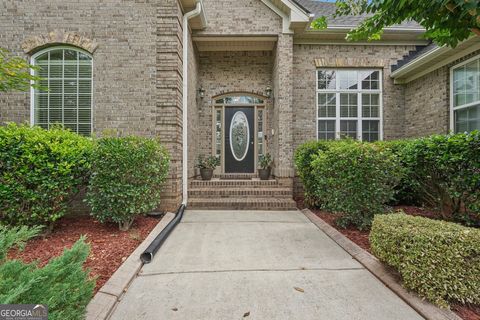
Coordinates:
(239, 135)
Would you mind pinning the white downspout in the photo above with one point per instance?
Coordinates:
(187, 16)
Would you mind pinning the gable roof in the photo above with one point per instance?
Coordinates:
(298, 3)
(430, 58)
(322, 8)
(412, 55)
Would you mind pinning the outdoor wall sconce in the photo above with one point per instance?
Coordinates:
(268, 92)
(201, 93)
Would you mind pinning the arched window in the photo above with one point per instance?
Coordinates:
(234, 99)
(65, 94)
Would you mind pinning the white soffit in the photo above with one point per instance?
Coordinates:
(434, 59)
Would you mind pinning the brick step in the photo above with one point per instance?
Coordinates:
(234, 183)
(222, 192)
(235, 176)
(242, 204)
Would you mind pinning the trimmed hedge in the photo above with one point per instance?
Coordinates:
(39, 171)
(127, 178)
(439, 260)
(63, 284)
(442, 171)
(351, 177)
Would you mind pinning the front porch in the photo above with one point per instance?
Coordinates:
(239, 111)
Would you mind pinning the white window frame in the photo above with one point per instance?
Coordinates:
(32, 72)
(452, 106)
(337, 91)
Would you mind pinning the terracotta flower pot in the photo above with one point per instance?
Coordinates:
(264, 174)
(206, 174)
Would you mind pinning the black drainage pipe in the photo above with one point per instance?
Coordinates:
(149, 253)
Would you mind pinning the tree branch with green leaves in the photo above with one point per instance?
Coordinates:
(15, 73)
(447, 22)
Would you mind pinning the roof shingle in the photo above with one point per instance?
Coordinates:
(322, 8)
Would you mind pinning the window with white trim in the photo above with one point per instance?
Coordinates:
(465, 102)
(65, 94)
(349, 104)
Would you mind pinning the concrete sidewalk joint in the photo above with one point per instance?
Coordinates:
(250, 270)
(378, 269)
(104, 301)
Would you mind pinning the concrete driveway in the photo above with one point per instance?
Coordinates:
(256, 265)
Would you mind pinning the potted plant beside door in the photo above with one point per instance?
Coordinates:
(265, 164)
(207, 164)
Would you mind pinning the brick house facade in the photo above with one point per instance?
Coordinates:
(243, 50)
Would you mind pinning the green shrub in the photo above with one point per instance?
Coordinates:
(127, 177)
(39, 171)
(444, 171)
(303, 164)
(406, 191)
(439, 260)
(356, 179)
(63, 285)
(15, 237)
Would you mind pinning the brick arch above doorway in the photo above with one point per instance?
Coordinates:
(255, 93)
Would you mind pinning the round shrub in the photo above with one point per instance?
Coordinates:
(303, 164)
(439, 260)
(356, 179)
(39, 171)
(127, 178)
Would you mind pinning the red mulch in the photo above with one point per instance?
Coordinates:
(466, 312)
(357, 236)
(109, 246)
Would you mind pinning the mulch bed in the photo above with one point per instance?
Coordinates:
(361, 239)
(357, 236)
(109, 246)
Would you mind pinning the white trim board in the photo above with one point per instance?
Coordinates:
(292, 14)
(443, 63)
(434, 59)
(285, 17)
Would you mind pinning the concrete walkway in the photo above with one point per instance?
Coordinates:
(256, 265)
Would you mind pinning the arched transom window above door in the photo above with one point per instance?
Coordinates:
(239, 100)
(65, 94)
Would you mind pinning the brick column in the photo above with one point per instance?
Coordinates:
(169, 96)
(283, 107)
